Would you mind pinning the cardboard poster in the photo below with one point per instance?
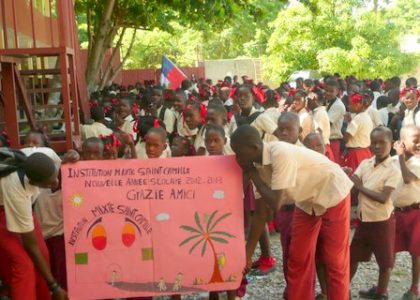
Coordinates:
(153, 227)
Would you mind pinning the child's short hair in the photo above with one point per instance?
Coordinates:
(144, 124)
(331, 82)
(159, 131)
(219, 109)
(308, 82)
(385, 130)
(39, 167)
(382, 102)
(92, 141)
(217, 128)
(97, 113)
(42, 134)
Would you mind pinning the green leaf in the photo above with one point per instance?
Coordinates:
(223, 233)
(219, 220)
(190, 229)
(203, 250)
(220, 240)
(197, 221)
(189, 239)
(211, 219)
(195, 245)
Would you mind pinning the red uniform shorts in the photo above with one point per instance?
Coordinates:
(377, 238)
(408, 231)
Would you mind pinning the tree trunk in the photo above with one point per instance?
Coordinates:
(107, 72)
(216, 277)
(375, 6)
(114, 73)
(97, 51)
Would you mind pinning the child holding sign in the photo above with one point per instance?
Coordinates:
(215, 141)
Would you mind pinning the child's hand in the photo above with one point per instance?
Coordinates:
(347, 117)
(347, 170)
(357, 181)
(60, 295)
(126, 138)
(400, 148)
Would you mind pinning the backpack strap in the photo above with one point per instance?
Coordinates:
(240, 120)
(21, 175)
(416, 110)
(162, 113)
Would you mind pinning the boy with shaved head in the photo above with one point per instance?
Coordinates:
(320, 190)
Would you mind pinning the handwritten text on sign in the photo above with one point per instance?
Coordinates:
(153, 227)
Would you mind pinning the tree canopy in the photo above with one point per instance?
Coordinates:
(349, 37)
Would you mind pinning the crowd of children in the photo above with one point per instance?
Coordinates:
(306, 153)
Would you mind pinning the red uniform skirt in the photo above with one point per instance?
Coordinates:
(355, 156)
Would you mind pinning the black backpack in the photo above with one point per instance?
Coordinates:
(12, 160)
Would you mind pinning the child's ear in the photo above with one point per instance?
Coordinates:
(165, 146)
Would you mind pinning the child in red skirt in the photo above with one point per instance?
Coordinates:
(407, 202)
(357, 133)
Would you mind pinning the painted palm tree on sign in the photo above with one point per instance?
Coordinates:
(206, 234)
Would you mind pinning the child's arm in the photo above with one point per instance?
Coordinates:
(259, 219)
(380, 197)
(272, 198)
(407, 175)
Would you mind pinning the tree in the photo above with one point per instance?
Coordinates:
(106, 19)
(335, 36)
(208, 236)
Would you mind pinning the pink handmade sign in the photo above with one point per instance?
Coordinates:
(153, 227)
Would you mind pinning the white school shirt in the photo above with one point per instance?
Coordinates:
(376, 95)
(360, 128)
(407, 194)
(375, 179)
(17, 203)
(306, 122)
(263, 123)
(322, 122)
(309, 178)
(410, 118)
(374, 116)
(94, 130)
(383, 112)
(128, 126)
(336, 116)
(168, 119)
(266, 173)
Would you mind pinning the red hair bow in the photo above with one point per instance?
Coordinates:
(156, 123)
(292, 91)
(93, 104)
(411, 89)
(356, 99)
(135, 108)
(114, 101)
(259, 94)
(203, 113)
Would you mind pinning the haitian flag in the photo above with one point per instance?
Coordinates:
(170, 74)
